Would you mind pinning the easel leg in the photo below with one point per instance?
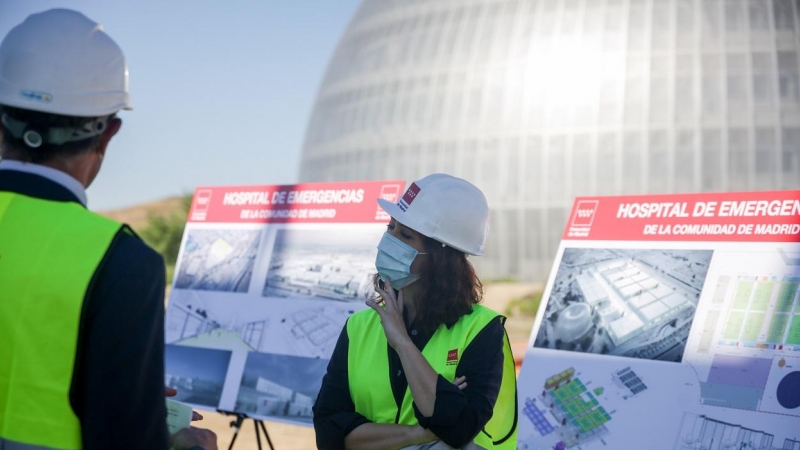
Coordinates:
(259, 425)
(264, 429)
(258, 435)
(237, 425)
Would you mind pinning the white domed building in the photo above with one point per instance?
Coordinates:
(574, 323)
(537, 102)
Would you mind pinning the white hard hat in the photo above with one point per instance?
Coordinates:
(61, 62)
(448, 209)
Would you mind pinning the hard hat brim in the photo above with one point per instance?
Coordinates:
(390, 208)
(398, 214)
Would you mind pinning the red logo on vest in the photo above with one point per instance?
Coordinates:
(452, 357)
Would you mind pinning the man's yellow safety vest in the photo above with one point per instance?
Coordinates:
(49, 253)
(371, 390)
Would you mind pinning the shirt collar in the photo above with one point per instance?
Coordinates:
(55, 175)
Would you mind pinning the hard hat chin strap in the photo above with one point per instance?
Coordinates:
(34, 137)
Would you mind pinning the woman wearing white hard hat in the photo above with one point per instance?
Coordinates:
(426, 364)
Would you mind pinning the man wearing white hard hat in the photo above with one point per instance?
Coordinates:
(426, 366)
(81, 296)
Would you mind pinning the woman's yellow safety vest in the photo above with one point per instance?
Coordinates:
(371, 389)
(49, 253)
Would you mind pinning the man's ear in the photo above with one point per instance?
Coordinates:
(112, 128)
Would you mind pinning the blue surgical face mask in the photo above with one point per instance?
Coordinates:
(394, 261)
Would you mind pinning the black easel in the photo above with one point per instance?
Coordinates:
(237, 425)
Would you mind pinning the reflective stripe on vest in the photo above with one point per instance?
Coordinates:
(370, 385)
(49, 252)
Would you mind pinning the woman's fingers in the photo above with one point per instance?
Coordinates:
(389, 297)
(387, 294)
(390, 311)
(376, 306)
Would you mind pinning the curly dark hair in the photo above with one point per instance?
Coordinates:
(448, 286)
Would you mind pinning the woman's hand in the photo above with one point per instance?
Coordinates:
(423, 435)
(380, 436)
(391, 313)
(187, 438)
(419, 373)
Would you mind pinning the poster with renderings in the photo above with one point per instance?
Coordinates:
(265, 280)
(669, 322)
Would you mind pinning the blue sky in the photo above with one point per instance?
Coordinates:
(222, 91)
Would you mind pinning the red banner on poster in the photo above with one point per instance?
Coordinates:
(345, 202)
(769, 216)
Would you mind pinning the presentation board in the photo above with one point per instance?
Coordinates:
(265, 280)
(669, 322)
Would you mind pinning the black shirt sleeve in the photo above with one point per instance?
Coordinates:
(335, 414)
(117, 389)
(458, 416)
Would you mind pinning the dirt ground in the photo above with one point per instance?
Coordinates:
(283, 436)
(291, 437)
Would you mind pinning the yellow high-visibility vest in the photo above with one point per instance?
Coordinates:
(371, 389)
(49, 253)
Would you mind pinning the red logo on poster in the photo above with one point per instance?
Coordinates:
(389, 192)
(201, 201)
(584, 213)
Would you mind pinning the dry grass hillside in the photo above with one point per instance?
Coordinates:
(136, 216)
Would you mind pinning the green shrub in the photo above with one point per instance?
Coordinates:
(526, 306)
(163, 232)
